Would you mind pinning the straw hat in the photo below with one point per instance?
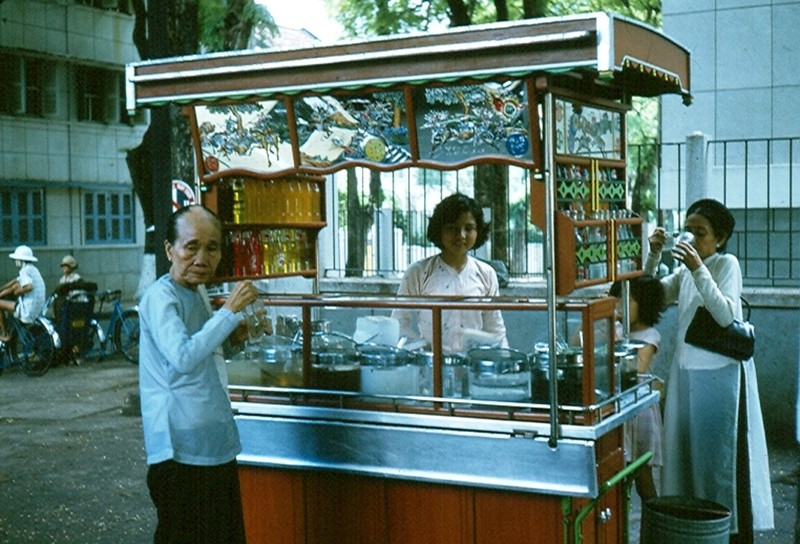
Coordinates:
(23, 253)
(70, 261)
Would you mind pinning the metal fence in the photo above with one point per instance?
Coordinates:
(397, 218)
(755, 178)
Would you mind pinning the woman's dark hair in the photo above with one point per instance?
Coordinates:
(172, 222)
(449, 210)
(721, 219)
(648, 293)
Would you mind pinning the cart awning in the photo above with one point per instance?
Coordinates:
(625, 57)
(444, 100)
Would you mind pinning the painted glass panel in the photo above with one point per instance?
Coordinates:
(458, 123)
(587, 131)
(369, 127)
(252, 136)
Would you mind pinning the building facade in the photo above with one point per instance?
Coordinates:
(64, 135)
(745, 84)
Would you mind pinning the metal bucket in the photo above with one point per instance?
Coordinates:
(685, 520)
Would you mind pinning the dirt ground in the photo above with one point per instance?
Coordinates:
(72, 467)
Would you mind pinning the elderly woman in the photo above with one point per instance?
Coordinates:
(714, 441)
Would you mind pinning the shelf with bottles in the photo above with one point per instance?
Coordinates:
(589, 185)
(296, 201)
(628, 249)
(601, 247)
(250, 252)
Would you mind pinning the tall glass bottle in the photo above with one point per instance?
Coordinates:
(266, 252)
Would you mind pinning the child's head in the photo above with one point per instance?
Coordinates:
(647, 299)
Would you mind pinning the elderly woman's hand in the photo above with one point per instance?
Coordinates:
(243, 294)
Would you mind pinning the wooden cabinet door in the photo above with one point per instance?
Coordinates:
(422, 513)
(345, 508)
(272, 502)
(517, 518)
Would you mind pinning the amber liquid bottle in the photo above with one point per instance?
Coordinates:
(266, 252)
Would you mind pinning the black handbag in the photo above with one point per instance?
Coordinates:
(736, 340)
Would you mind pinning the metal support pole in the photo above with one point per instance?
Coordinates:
(549, 262)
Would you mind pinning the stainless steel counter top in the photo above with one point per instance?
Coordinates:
(481, 452)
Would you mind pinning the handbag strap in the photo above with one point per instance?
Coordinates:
(745, 305)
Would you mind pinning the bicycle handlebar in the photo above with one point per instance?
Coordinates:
(109, 296)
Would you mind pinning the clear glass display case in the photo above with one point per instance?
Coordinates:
(351, 352)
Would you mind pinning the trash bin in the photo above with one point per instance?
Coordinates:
(685, 520)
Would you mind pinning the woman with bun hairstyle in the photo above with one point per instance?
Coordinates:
(714, 442)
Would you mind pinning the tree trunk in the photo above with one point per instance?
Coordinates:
(359, 221)
(534, 8)
(491, 188)
(501, 9)
(238, 26)
(459, 14)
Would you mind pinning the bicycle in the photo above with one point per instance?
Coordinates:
(32, 346)
(122, 329)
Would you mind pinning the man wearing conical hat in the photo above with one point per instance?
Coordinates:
(27, 289)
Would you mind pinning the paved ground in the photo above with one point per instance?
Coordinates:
(72, 465)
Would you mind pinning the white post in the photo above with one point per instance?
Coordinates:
(327, 237)
(696, 168)
(385, 239)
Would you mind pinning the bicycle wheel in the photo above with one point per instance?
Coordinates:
(126, 335)
(34, 349)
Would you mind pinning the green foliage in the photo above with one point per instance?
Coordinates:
(646, 11)
(642, 155)
(385, 17)
(216, 25)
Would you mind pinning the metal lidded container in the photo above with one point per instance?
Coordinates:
(569, 366)
(388, 370)
(500, 374)
(455, 368)
(334, 362)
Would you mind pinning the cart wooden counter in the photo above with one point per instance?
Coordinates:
(313, 475)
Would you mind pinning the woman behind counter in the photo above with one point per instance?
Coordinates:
(714, 443)
(456, 227)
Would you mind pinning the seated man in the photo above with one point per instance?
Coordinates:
(28, 288)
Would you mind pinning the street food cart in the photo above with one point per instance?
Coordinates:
(349, 442)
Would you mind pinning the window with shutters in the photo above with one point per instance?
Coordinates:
(96, 92)
(109, 217)
(30, 86)
(22, 217)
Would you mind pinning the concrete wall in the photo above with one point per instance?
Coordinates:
(745, 68)
(61, 154)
